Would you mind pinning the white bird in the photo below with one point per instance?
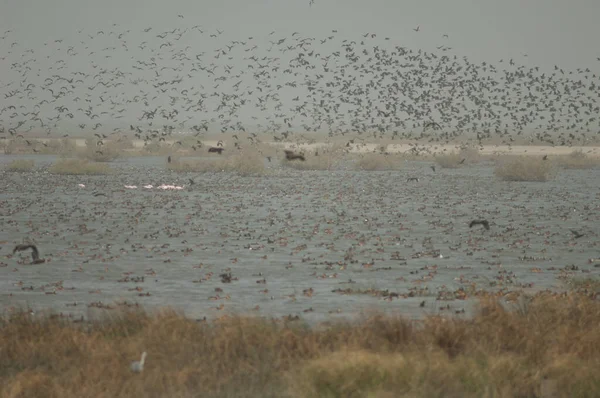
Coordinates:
(138, 366)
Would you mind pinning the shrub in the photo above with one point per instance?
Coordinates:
(245, 163)
(453, 160)
(79, 166)
(156, 147)
(100, 153)
(524, 168)
(378, 161)
(576, 160)
(449, 161)
(20, 165)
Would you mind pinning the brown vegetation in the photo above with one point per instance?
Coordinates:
(79, 166)
(524, 168)
(456, 159)
(246, 162)
(379, 162)
(37, 146)
(105, 153)
(576, 160)
(549, 342)
(20, 165)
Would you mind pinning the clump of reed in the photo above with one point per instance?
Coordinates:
(524, 168)
(378, 162)
(20, 165)
(453, 160)
(246, 162)
(79, 166)
(576, 160)
(548, 344)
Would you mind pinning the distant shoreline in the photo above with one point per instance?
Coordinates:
(366, 147)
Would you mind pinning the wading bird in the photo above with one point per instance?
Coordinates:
(138, 366)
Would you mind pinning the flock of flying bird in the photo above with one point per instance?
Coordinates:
(152, 83)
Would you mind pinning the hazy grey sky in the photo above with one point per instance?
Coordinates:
(548, 31)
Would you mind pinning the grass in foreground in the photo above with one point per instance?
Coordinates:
(20, 165)
(79, 166)
(524, 168)
(551, 343)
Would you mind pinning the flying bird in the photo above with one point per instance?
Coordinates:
(576, 234)
(35, 254)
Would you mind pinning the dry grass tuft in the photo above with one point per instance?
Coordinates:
(190, 165)
(107, 152)
(38, 146)
(246, 163)
(449, 160)
(524, 168)
(378, 162)
(576, 160)
(79, 166)
(454, 160)
(550, 342)
(20, 165)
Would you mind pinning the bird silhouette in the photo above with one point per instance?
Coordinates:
(485, 223)
(35, 255)
(576, 234)
(216, 150)
(290, 156)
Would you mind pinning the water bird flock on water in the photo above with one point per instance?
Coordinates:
(290, 86)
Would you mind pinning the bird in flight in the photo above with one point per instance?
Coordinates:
(35, 254)
(576, 234)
